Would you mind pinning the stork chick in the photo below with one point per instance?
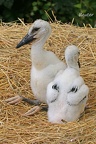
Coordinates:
(67, 94)
(45, 64)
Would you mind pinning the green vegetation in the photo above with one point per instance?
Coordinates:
(82, 11)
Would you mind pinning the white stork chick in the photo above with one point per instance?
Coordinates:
(67, 94)
(45, 64)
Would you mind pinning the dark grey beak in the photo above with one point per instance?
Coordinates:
(79, 64)
(26, 40)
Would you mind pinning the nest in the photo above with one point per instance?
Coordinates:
(15, 65)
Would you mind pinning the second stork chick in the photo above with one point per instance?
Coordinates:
(67, 94)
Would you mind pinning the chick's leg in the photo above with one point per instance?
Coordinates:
(34, 110)
(17, 99)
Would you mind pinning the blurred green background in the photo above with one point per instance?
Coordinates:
(82, 11)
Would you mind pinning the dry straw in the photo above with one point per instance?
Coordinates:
(15, 67)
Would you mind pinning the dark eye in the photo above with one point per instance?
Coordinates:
(35, 29)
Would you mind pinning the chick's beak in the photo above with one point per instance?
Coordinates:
(79, 64)
(26, 40)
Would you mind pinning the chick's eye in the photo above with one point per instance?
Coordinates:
(35, 29)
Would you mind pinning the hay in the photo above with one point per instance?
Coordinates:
(15, 79)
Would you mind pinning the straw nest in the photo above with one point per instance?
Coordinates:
(15, 67)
